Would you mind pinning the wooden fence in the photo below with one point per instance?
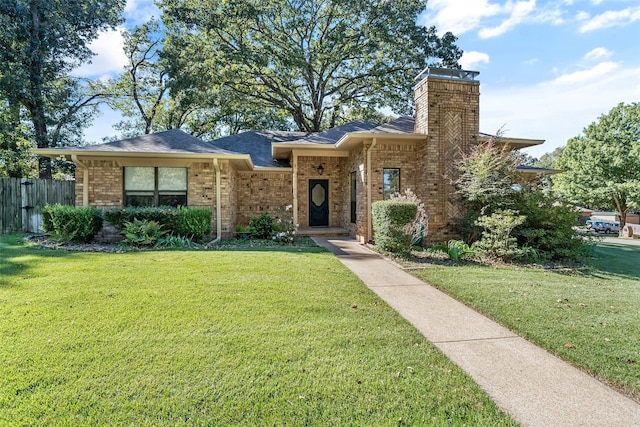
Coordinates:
(22, 200)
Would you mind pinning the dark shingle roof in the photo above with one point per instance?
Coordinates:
(170, 141)
(333, 135)
(402, 125)
(258, 145)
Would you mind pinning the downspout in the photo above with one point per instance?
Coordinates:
(85, 180)
(216, 167)
(295, 189)
(369, 210)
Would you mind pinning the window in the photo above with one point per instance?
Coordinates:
(145, 186)
(353, 196)
(390, 182)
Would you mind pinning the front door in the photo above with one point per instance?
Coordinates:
(318, 202)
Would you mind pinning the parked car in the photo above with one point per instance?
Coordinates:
(602, 226)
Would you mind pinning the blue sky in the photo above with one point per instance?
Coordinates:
(547, 68)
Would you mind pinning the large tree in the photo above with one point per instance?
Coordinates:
(41, 41)
(155, 94)
(602, 166)
(314, 59)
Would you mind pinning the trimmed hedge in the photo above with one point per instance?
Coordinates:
(194, 223)
(68, 223)
(390, 220)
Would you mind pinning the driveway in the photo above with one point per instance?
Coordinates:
(621, 241)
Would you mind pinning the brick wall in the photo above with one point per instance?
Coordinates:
(448, 112)
(105, 184)
(258, 192)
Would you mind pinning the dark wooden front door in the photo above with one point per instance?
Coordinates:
(318, 202)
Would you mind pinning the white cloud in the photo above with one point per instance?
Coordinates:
(518, 13)
(109, 58)
(610, 18)
(584, 76)
(598, 53)
(140, 11)
(471, 59)
(555, 112)
(459, 16)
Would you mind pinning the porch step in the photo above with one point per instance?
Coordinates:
(323, 231)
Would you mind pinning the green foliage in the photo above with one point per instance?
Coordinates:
(142, 232)
(547, 231)
(284, 229)
(184, 221)
(313, 59)
(193, 222)
(455, 249)
(420, 225)
(68, 223)
(42, 41)
(601, 166)
(171, 241)
(16, 159)
(119, 216)
(487, 174)
(261, 226)
(497, 241)
(392, 225)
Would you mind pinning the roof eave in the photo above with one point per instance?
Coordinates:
(57, 153)
(515, 143)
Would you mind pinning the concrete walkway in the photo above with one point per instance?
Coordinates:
(534, 387)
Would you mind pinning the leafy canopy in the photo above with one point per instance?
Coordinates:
(602, 166)
(314, 59)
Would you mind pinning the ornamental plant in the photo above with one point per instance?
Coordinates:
(391, 222)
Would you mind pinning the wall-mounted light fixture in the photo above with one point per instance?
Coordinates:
(320, 169)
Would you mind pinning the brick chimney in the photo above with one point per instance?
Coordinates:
(447, 111)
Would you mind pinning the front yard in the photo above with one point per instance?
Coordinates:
(214, 338)
(590, 318)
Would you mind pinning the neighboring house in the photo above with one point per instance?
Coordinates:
(329, 178)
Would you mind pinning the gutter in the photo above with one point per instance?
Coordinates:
(369, 209)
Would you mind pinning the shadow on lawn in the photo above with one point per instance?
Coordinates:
(618, 260)
(17, 259)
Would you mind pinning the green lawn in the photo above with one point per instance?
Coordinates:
(590, 319)
(214, 338)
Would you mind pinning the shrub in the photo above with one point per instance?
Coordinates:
(172, 241)
(194, 222)
(497, 241)
(261, 226)
(420, 225)
(120, 216)
(284, 229)
(455, 249)
(184, 221)
(142, 233)
(548, 228)
(391, 225)
(68, 223)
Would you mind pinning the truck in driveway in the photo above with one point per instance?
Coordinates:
(602, 226)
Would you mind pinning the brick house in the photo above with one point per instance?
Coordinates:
(329, 178)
